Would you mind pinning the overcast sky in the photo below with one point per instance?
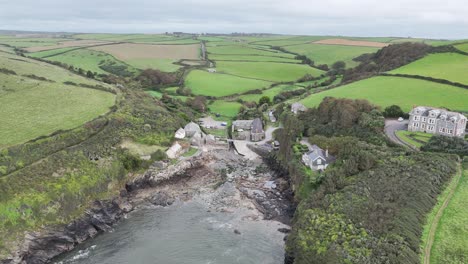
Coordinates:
(416, 18)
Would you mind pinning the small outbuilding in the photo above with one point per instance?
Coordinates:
(174, 151)
(191, 129)
(298, 107)
(180, 133)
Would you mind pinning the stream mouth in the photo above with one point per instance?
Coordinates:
(185, 232)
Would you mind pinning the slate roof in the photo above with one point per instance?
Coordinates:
(192, 127)
(425, 110)
(316, 152)
(298, 107)
(257, 126)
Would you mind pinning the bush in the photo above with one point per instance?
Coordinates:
(394, 111)
(158, 155)
(452, 145)
(130, 161)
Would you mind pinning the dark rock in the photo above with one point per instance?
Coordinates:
(284, 230)
(161, 199)
(237, 232)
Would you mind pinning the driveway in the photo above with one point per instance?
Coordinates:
(392, 126)
(209, 122)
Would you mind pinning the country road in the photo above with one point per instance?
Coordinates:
(440, 212)
(392, 126)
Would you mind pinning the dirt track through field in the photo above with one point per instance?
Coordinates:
(435, 222)
(347, 42)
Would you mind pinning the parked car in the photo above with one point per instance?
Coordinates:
(224, 124)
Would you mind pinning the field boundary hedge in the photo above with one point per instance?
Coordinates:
(441, 81)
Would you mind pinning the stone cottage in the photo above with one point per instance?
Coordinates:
(298, 107)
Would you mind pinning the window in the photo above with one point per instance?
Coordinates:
(423, 126)
(450, 131)
(319, 161)
(416, 118)
(431, 121)
(416, 124)
(424, 119)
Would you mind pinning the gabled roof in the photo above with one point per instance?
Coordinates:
(316, 152)
(257, 126)
(298, 107)
(425, 110)
(192, 127)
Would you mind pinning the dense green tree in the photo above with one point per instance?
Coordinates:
(264, 100)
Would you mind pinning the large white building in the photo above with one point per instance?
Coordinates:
(437, 121)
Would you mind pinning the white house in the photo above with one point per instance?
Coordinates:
(317, 158)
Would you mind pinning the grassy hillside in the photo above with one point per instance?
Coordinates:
(275, 58)
(216, 84)
(448, 66)
(269, 92)
(462, 47)
(329, 54)
(91, 60)
(239, 49)
(451, 243)
(385, 91)
(32, 107)
(275, 72)
(224, 108)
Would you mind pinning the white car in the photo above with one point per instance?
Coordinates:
(401, 119)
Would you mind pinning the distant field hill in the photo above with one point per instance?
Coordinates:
(38, 99)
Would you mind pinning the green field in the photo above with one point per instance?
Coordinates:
(224, 108)
(329, 54)
(269, 71)
(416, 139)
(451, 237)
(462, 47)
(275, 58)
(216, 84)
(31, 108)
(166, 65)
(448, 66)
(405, 92)
(239, 49)
(48, 53)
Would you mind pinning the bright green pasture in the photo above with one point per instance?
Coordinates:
(165, 65)
(41, 108)
(251, 58)
(216, 84)
(448, 66)
(242, 49)
(48, 53)
(451, 237)
(31, 42)
(462, 47)
(30, 108)
(26, 66)
(329, 54)
(224, 108)
(405, 92)
(270, 71)
(86, 59)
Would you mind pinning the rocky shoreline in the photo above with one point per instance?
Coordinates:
(219, 178)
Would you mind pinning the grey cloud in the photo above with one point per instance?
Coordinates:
(418, 18)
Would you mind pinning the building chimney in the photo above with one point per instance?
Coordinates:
(326, 153)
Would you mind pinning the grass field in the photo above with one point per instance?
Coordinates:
(275, 72)
(216, 84)
(416, 139)
(48, 53)
(238, 49)
(451, 237)
(224, 108)
(166, 65)
(87, 60)
(329, 54)
(147, 51)
(66, 44)
(31, 108)
(448, 66)
(462, 47)
(275, 58)
(406, 92)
